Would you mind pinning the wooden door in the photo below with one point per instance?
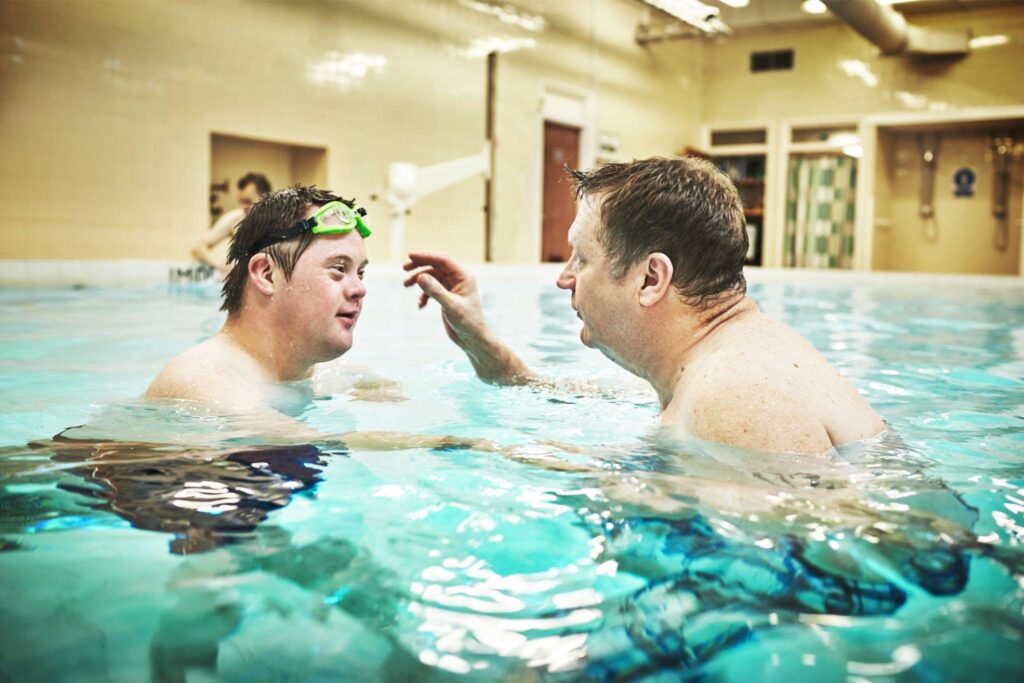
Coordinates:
(561, 148)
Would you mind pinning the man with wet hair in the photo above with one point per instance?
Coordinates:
(293, 296)
(656, 276)
(251, 188)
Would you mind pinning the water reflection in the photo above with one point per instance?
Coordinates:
(204, 498)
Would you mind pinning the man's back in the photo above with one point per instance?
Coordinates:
(759, 384)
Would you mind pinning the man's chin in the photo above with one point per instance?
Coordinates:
(338, 348)
(585, 337)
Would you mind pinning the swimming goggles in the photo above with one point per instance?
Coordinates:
(333, 218)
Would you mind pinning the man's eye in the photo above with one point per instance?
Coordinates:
(340, 268)
(361, 274)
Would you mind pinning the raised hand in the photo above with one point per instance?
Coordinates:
(442, 279)
(454, 288)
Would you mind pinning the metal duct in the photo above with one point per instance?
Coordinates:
(886, 28)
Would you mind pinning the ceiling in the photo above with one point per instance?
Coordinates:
(762, 13)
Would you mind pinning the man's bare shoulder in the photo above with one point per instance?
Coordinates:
(768, 388)
(755, 390)
(210, 372)
(758, 413)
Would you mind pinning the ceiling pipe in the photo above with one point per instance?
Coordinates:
(885, 27)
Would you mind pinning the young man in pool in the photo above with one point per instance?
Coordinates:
(293, 298)
(656, 276)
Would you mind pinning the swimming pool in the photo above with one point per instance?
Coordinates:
(190, 551)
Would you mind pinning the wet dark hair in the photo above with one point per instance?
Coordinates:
(274, 213)
(684, 208)
(257, 179)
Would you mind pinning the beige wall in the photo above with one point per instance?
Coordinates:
(818, 88)
(106, 111)
(106, 108)
(961, 236)
(817, 85)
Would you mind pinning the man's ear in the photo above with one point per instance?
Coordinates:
(657, 276)
(262, 273)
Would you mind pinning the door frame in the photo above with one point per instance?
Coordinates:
(566, 105)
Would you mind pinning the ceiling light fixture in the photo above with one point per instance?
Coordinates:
(813, 7)
(700, 16)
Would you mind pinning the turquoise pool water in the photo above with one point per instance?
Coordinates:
(152, 543)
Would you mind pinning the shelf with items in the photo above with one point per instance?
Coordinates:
(747, 172)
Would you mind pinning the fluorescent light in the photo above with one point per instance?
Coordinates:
(735, 3)
(987, 41)
(813, 7)
(855, 151)
(702, 17)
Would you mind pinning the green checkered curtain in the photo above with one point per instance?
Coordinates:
(819, 211)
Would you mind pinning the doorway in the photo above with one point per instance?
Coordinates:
(231, 157)
(561, 149)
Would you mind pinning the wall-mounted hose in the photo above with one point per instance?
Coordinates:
(929, 145)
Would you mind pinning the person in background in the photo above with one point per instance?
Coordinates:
(251, 188)
(656, 277)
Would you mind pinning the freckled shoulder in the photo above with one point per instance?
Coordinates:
(751, 410)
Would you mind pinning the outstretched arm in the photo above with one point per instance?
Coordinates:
(442, 279)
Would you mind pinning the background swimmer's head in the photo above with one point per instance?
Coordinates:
(251, 188)
(275, 212)
(684, 208)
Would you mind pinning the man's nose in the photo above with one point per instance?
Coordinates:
(566, 280)
(358, 291)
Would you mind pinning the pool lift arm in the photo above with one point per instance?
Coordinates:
(408, 183)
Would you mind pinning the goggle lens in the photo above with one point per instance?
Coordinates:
(340, 217)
